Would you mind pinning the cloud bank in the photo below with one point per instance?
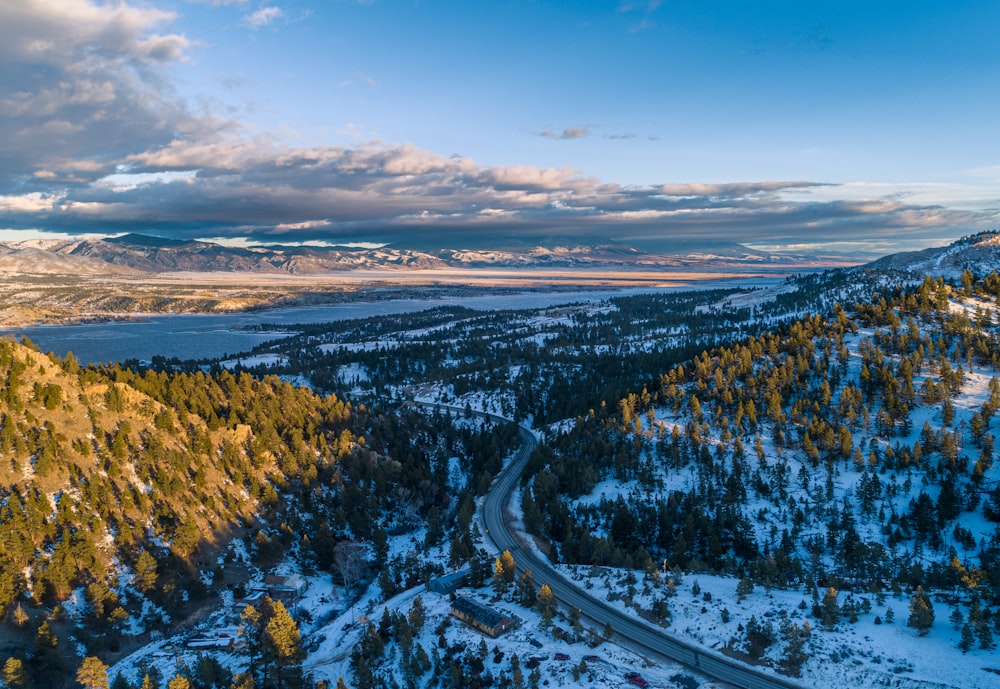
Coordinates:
(97, 140)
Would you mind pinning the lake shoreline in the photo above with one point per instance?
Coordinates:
(212, 336)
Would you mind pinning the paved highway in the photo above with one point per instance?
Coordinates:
(650, 639)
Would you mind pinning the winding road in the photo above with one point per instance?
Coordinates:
(635, 632)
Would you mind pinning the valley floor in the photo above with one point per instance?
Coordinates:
(47, 298)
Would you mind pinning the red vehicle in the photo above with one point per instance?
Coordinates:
(561, 656)
(636, 679)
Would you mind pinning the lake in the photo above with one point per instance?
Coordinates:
(212, 336)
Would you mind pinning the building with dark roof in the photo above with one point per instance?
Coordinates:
(482, 617)
(448, 583)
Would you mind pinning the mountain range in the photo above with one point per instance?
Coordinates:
(138, 254)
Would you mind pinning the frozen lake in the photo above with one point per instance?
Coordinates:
(188, 336)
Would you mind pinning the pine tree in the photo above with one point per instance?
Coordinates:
(921, 612)
(546, 603)
(209, 673)
(499, 577)
(743, 588)
(417, 615)
(282, 648)
(796, 638)
(243, 680)
(516, 674)
(526, 590)
(20, 616)
(48, 665)
(830, 609)
(15, 676)
(252, 629)
(509, 567)
(984, 634)
(179, 682)
(479, 567)
(93, 674)
(968, 638)
(145, 572)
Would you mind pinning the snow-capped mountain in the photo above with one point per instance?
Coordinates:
(145, 254)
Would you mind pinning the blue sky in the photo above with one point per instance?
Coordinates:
(839, 126)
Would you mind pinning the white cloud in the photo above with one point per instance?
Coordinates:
(126, 181)
(50, 31)
(82, 85)
(733, 189)
(263, 17)
(526, 176)
(304, 225)
(28, 203)
(359, 79)
(568, 133)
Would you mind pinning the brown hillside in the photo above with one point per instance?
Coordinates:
(102, 465)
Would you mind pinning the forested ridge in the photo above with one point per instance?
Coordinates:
(854, 451)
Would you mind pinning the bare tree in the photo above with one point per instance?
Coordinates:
(349, 559)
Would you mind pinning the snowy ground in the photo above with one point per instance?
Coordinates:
(861, 654)
(331, 659)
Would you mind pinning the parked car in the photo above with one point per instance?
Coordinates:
(636, 679)
(561, 656)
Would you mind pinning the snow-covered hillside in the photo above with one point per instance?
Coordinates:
(851, 457)
(979, 254)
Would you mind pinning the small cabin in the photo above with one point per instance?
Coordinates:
(253, 599)
(447, 584)
(212, 642)
(286, 589)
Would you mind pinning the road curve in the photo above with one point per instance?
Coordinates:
(650, 639)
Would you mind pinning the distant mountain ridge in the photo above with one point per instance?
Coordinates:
(137, 253)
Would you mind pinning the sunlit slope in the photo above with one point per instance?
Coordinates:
(100, 466)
